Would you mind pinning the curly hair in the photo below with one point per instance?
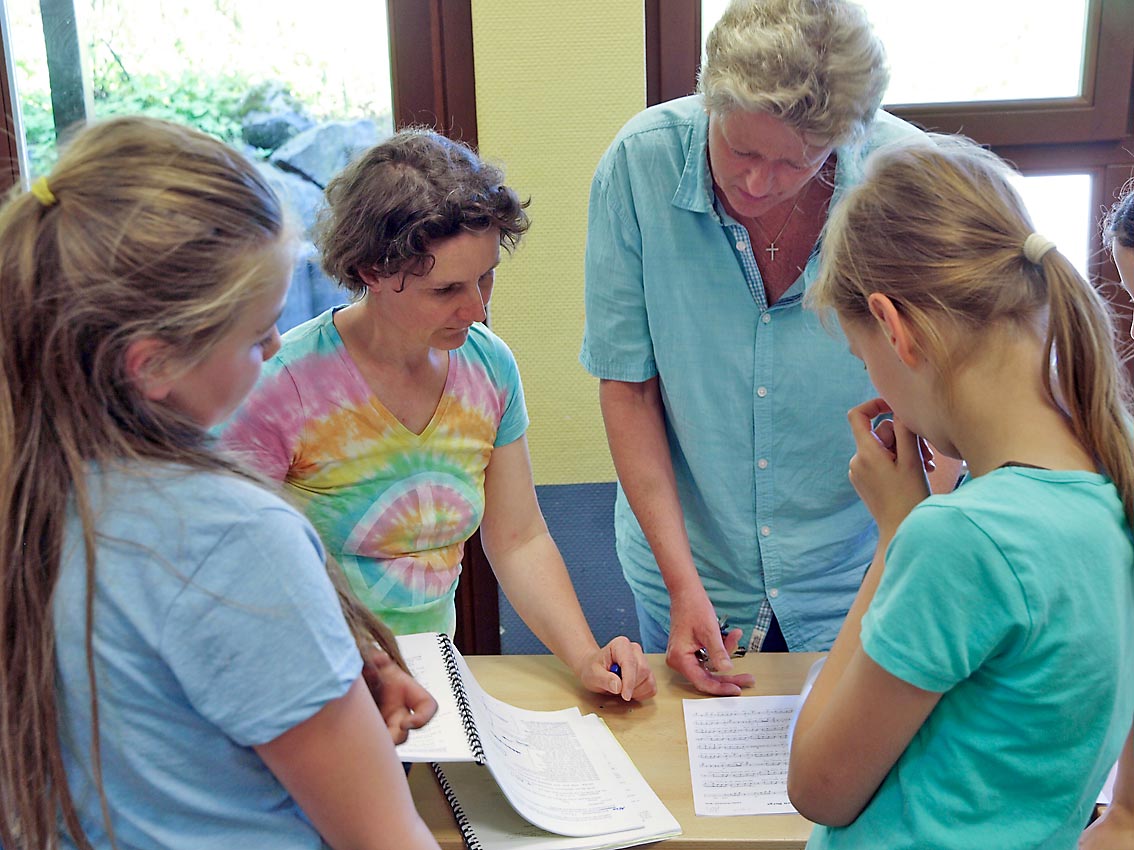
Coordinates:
(814, 64)
(386, 209)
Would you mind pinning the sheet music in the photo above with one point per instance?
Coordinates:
(497, 826)
(738, 753)
(547, 764)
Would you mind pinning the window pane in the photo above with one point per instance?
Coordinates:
(973, 50)
(292, 86)
(1060, 206)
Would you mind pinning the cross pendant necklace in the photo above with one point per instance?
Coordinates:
(772, 249)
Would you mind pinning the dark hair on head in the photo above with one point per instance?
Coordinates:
(1118, 226)
(386, 210)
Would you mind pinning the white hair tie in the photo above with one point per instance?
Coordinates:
(1035, 246)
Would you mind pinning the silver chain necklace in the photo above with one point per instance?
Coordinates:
(772, 249)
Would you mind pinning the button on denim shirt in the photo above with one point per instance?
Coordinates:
(755, 396)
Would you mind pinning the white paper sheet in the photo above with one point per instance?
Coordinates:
(497, 826)
(548, 765)
(1107, 792)
(443, 738)
(738, 754)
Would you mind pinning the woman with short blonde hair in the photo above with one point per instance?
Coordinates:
(723, 400)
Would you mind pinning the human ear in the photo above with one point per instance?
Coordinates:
(897, 329)
(147, 367)
(371, 279)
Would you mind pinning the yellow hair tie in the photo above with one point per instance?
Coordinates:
(43, 192)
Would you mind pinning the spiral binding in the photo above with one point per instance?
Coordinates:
(463, 823)
(463, 708)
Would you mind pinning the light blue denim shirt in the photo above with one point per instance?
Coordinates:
(755, 396)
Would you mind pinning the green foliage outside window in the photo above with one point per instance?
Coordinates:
(214, 105)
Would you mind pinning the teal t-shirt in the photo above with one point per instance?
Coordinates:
(1013, 597)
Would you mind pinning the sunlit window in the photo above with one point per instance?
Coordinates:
(1060, 207)
(299, 87)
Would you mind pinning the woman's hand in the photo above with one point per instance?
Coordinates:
(693, 626)
(404, 703)
(635, 679)
(889, 466)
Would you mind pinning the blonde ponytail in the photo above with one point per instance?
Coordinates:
(938, 228)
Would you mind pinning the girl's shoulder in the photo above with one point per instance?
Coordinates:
(1011, 505)
(1002, 487)
(185, 495)
(188, 521)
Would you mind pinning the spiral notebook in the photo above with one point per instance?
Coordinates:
(452, 734)
(559, 772)
(488, 822)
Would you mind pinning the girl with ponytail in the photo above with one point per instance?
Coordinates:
(979, 690)
(175, 667)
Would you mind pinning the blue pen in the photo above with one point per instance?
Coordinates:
(616, 670)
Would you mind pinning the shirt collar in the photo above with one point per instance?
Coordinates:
(695, 188)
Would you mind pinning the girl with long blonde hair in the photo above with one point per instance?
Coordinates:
(175, 668)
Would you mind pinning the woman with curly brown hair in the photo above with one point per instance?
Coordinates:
(397, 422)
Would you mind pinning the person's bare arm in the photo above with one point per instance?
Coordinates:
(858, 718)
(635, 427)
(534, 578)
(342, 770)
(1114, 830)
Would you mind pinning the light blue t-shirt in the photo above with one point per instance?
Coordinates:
(1014, 597)
(216, 629)
(755, 396)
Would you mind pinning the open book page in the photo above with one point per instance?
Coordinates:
(738, 753)
(497, 826)
(443, 738)
(550, 765)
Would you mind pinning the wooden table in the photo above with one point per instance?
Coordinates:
(652, 732)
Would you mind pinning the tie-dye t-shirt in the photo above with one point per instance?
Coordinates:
(395, 508)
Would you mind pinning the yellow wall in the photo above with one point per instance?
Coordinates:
(555, 80)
